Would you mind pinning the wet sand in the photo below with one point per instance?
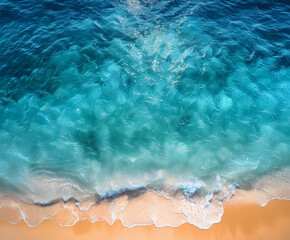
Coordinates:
(242, 219)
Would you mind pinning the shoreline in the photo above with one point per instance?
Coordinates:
(256, 213)
(242, 219)
(137, 208)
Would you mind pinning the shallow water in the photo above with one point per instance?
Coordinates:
(102, 96)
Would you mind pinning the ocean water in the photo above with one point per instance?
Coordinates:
(101, 97)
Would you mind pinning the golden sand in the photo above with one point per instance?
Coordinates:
(242, 219)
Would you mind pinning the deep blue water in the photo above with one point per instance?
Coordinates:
(97, 96)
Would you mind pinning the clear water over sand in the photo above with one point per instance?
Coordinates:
(187, 98)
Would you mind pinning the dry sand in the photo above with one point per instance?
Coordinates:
(242, 219)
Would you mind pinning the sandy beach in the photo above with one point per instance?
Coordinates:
(242, 219)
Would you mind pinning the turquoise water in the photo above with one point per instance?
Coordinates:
(102, 96)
